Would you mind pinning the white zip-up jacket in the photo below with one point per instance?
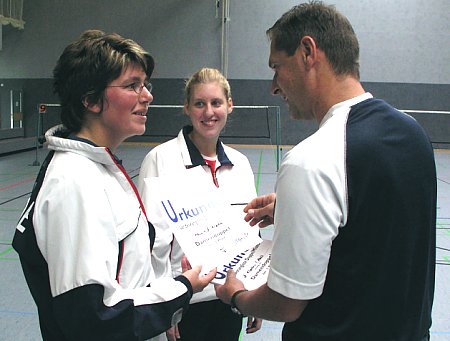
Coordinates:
(84, 242)
(233, 176)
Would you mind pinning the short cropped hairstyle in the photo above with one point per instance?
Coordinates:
(331, 31)
(87, 66)
(205, 76)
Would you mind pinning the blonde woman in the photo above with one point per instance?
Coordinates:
(208, 103)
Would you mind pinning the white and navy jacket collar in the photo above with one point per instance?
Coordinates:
(195, 155)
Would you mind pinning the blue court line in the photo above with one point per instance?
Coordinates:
(9, 312)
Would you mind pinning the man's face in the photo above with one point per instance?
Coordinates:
(289, 81)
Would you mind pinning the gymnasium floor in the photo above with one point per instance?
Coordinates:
(18, 315)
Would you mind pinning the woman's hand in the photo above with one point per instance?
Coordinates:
(193, 275)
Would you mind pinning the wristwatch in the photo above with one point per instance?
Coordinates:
(234, 308)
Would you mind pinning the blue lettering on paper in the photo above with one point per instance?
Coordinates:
(222, 274)
(174, 218)
(184, 213)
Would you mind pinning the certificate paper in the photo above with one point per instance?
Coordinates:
(211, 231)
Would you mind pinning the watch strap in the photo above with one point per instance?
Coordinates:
(234, 307)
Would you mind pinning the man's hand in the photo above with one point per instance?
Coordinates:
(260, 210)
(173, 334)
(231, 285)
(253, 324)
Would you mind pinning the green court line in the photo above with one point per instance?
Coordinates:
(440, 223)
(6, 251)
(275, 156)
(10, 249)
(445, 261)
(258, 174)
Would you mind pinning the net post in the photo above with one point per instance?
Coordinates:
(41, 110)
(38, 125)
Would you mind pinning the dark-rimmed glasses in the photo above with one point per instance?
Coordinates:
(136, 86)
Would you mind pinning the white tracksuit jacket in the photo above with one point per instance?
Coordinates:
(84, 242)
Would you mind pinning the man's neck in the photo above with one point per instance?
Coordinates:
(338, 89)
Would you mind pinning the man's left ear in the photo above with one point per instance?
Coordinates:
(308, 50)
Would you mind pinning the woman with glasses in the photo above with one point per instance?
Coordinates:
(84, 240)
(208, 103)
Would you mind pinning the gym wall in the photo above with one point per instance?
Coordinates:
(405, 56)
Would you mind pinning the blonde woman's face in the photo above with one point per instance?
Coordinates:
(208, 109)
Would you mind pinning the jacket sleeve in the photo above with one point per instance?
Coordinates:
(83, 315)
(164, 239)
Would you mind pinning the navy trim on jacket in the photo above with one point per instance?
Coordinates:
(196, 156)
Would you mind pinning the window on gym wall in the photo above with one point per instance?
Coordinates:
(11, 13)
